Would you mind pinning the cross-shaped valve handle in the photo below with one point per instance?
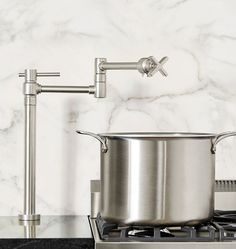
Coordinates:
(151, 65)
(157, 66)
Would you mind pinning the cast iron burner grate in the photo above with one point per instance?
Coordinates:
(221, 228)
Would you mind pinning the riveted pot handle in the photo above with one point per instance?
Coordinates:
(219, 137)
(101, 139)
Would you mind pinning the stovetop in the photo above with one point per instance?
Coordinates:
(220, 232)
(221, 228)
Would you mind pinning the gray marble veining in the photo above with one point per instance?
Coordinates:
(199, 95)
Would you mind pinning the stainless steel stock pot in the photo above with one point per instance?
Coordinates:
(158, 178)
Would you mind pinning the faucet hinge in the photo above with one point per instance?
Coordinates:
(31, 88)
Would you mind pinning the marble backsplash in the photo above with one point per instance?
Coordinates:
(198, 36)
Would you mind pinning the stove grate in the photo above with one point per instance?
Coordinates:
(207, 232)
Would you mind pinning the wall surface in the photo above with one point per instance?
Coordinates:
(199, 36)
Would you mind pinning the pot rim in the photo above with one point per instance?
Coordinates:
(158, 135)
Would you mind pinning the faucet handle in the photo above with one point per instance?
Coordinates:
(31, 75)
(158, 66)
(49, 74)
(35, 74)
(151, 65)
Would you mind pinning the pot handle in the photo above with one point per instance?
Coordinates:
(101, 139)
(219, 137)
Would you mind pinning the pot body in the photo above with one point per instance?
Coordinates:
(157, 180)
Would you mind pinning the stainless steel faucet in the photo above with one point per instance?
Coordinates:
(147, 66)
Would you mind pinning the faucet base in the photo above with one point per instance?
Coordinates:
(29, 217)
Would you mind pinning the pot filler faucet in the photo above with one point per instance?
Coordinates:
(148, 66)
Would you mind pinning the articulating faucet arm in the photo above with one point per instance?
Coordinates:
(31, 87)
(66, 89)
(148, 65)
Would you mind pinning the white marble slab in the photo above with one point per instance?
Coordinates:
(199, 36)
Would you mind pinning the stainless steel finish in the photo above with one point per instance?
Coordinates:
(158, 135)
(30, 157)
(225, 196)
(225, 186)
(99, 138)
(30, 92)
(160, 180)
(95, 190)
(221, 201)
(148, 66)
(100, 79)
(157, 178)
(118, 66)
(30, 227)
(99, 244)
(30, 232)
(37, 74)
(66, 89)
(29, 217)
(31, 89)
(221, 136)
(29, 222)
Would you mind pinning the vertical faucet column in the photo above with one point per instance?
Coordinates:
(31, 89)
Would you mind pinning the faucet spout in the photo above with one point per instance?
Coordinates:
(148, 65)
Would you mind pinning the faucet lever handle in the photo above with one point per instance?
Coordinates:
(36, 74)
(49, 74)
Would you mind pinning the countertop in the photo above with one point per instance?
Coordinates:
(70, 232)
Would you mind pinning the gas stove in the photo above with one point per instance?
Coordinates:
(221, 228)
(220, 232)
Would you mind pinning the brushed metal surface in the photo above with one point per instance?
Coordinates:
(158, 178)
(95, 192)
(225, 196)
(157, 181)
(32, 89)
